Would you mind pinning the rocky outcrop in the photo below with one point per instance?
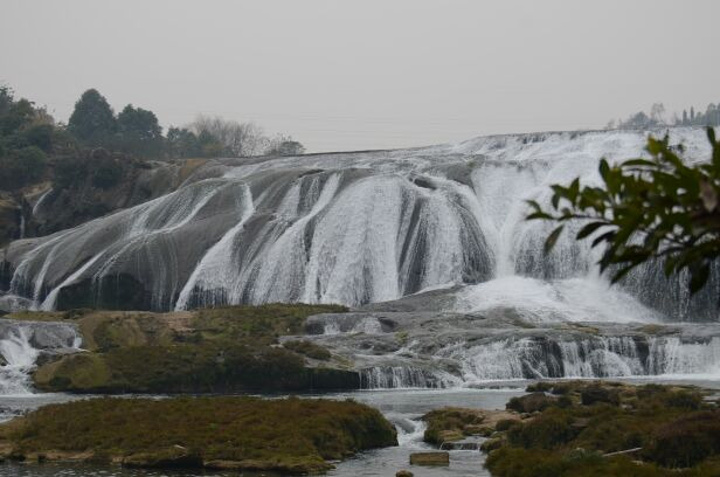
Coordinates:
(10, 219)
(60, 206)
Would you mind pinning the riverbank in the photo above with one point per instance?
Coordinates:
(291, 435)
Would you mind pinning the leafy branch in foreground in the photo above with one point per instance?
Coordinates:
(646, 209)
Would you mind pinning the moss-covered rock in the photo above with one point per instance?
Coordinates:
(531, 402)
(289, 435)
(452, 424)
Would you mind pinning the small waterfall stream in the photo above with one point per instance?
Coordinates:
(22, 343)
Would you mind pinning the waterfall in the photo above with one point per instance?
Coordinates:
(21, 343)
(547, 358)
(395, 377)
(360, 228)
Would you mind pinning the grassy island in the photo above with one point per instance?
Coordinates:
(600, 428)
(220, 350)
(288, 435)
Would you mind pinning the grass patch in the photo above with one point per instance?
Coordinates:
(291, 435)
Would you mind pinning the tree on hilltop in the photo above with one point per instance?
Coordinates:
(93, 121)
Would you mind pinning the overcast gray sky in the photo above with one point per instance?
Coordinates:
(342, 75)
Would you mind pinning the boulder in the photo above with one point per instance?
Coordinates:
(404, 473)
(530, 403)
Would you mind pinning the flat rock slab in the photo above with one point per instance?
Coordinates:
(430, 458)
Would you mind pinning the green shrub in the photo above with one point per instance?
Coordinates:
(599, 394)
(22, 167)
(551, 429)
(686, 441)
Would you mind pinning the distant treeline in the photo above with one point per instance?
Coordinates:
(30, 138)
(657, 117)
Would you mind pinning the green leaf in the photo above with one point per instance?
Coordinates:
(638, 162)
(698, 277)
(573, 190)
(606, 237)
(589, 229)
(539, 215)
(604, 168)
(533, 204)
(552, 239)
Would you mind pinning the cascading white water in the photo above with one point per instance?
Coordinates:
(19, 356)
(672, 356)
(395, 377)
(340, 228)
(21, 343)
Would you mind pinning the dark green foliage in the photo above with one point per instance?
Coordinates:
(6, 99)
(294, 435)
(647, 209)
(106, 173)
(41, 136)
(21, 167)
(26, 135)
(139, 132)
(599, 394)
(686, 441)
(505, 424)
(550, 430)
(182, 143)
(19, 115)
(672, 426)
(93, 120)
(516, 462)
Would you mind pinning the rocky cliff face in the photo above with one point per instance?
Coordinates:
(85, 190)
(91, 195)
(10, 219)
